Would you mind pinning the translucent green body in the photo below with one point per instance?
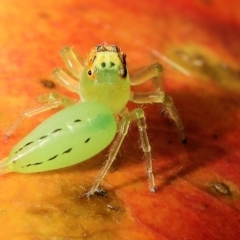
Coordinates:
(66, 138)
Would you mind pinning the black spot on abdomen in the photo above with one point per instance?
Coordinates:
(43, 137)
(67, 151)
(32, 164)
(52, 158)
(27, 144)
(77, 120)
(56, 130)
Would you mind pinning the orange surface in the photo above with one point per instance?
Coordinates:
(198, 183)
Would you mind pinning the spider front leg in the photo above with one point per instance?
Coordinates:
(51, 100)
(166, 100)
(153, 71)
(123, 129)
(138, 116)
(158, 96)
(74, 66)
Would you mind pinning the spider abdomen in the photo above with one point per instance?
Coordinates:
(68, 137)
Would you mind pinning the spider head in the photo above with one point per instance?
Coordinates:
(105, 78)
(106, 58)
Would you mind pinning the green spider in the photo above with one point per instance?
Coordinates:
(84, 129)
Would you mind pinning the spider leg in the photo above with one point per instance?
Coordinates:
(139, 116)
(74, 66)
(135, 115)
(153, 71)
(66, 80)
(166, 100)
(72, 61)
(52, 96)
(123, 129)
(34, 111)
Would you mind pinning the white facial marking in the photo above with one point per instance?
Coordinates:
(107, 60)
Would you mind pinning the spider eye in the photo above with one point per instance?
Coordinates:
(89, 73)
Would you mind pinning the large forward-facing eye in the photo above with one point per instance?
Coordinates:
(90, 74)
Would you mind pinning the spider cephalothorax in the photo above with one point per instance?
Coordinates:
(106, 57)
